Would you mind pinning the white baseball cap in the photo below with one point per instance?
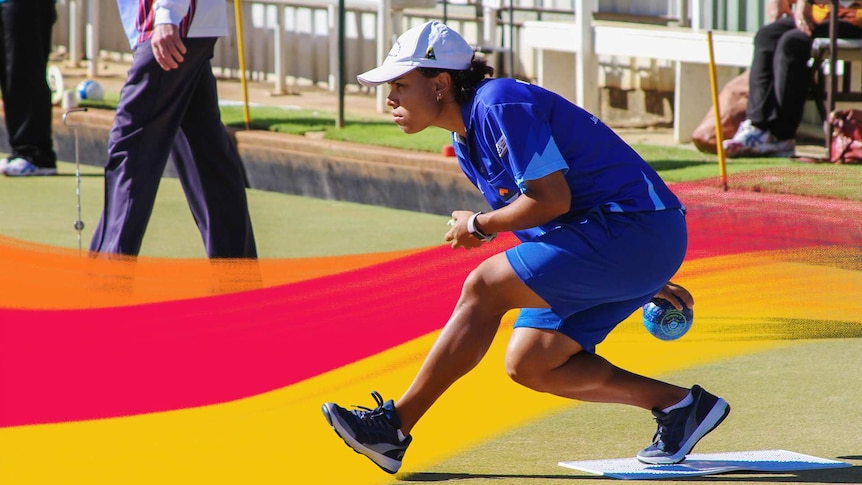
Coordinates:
(431, 45)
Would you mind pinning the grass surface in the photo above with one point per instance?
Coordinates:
(293, 226)
(674, 163)
(809, 377)
(380, 131)
(774, 175)
(801, 396)
(285, 226)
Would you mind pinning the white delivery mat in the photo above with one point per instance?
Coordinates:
(705, 464)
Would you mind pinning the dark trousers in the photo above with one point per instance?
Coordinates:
(174, 113)
(25, 44)
(780, 78)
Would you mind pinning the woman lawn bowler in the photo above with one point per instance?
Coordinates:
(601, 234)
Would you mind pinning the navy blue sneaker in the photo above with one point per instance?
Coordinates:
(681, 429)
(370, 432)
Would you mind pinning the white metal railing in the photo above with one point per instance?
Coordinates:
(292, 41)
(285, 40)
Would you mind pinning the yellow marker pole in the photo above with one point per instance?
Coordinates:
(241, 49)
(722, 168)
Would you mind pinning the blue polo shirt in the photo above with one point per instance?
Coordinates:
(517, 132)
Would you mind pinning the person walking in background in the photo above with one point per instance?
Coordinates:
(169, 105)
(601, 234)
(779, 81)
(25, 45)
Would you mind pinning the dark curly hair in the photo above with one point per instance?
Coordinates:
(464, 82)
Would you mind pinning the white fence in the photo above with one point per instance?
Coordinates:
(293, 41)
(285, 41)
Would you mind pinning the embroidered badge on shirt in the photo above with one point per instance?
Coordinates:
(502, 149)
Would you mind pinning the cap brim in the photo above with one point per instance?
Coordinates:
(384, 74)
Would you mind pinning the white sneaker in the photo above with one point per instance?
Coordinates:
(21, 167)
(751, 141)
(3, 162)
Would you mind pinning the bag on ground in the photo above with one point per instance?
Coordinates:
(846, 126)
(732, 101)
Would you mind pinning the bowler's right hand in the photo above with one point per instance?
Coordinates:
(674, 294)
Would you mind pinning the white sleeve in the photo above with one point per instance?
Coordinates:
(171, 11)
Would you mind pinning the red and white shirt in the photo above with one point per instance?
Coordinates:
(196, 18)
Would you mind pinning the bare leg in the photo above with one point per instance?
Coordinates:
(551, 362)
(542, 360)
(489, 292)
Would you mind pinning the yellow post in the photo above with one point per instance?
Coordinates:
(722, 168)
(241, 49)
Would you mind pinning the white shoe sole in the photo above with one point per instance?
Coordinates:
(37, 173)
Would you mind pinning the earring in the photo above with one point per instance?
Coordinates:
(439, 96)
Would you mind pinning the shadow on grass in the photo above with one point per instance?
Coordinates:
(431, 477)
(833, 475)
(93, 175)
(306, 123)
(660, 165)
(61, 175)
(285, 125)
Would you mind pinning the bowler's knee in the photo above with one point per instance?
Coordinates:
(479, 291)
(526, 371)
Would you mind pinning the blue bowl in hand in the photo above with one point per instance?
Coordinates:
(664, 321)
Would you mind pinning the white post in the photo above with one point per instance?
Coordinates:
(683, 13)
(586, 65)
(74, 34)
(696, 23)
(488, 42)
(92, 38)
(332, 25)
(489, 23)
(384, 41)
(278, 50)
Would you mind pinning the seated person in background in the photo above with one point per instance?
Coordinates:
(779, 80)
(775, 9)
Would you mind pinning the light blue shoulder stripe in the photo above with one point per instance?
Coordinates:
(548, 161)
(659, 205)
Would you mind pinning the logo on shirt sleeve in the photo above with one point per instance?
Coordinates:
(502, 148)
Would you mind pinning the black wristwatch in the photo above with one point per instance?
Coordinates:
(476, 232)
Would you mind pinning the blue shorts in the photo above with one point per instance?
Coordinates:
(599, 269)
